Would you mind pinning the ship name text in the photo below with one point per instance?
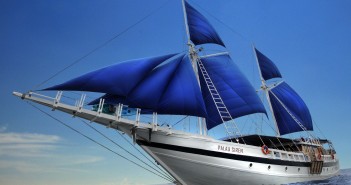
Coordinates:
(230, 149)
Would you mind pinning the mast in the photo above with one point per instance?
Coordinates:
(266, 89)
(186, 22)
(194, 58)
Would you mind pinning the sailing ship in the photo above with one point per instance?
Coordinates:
(211, 88)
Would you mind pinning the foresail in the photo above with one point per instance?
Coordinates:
(117, 79)
(167, 88)
(235, 90)
(290, 111)
(200, 30)
(268, 69)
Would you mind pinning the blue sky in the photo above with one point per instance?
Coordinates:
(308, 40)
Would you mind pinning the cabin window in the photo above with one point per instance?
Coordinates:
(284, 156)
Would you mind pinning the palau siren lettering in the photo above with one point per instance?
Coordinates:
(230, 149)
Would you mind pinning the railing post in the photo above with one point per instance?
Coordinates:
(117, 111)
(137, 120)
(57, 100)
(101, 105)
(169, 129)
(154, 121)
(81, 103)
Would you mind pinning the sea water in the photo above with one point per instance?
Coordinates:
(344, 178)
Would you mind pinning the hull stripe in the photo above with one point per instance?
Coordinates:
(228, 156)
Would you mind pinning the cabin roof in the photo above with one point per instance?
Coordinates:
(270, 141)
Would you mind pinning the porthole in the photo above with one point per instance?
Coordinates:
(269, 167)
(286, 168)
(250, 165)
(298, 169)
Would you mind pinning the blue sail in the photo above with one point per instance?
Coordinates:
(268, 69)
(200, 30)
(167, 88)
(235, 90)
(294, 106)
(117, 79)
(109, 99)
(170, 88)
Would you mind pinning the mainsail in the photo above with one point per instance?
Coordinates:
(168, 84)
(289, 110)
(234, 89)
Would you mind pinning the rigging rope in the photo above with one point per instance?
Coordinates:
(141, 152)
(318, 128)
(96, 142)
(103, 135)
(179, 121)
(100, 46)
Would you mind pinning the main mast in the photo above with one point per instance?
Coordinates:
(194, 58)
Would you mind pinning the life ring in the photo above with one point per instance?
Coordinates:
(265, 150)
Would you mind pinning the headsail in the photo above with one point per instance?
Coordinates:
(235, 90)
(290, 111)
(200, 30)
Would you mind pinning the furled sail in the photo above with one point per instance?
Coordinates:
(235, 90)
(290, 111)
(200, 30)
(166, 86)
(268, 69)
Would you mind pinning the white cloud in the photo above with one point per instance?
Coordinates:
(26, 144)
(13, 138)
(86, 160)
(23, 166)
(26, 150)
(38, 153)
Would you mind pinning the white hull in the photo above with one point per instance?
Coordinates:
(186, 158)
